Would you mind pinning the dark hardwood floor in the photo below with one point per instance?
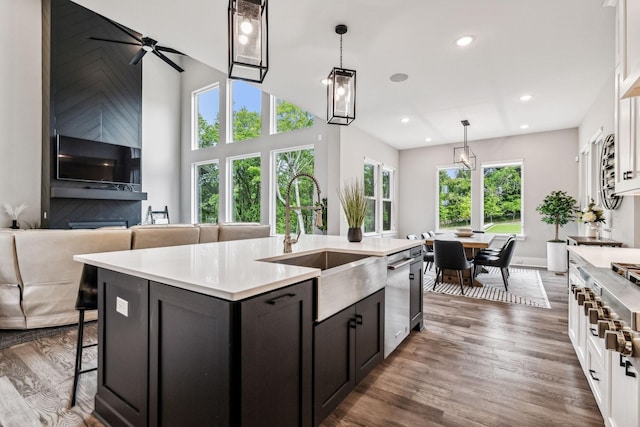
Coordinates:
(477, 363)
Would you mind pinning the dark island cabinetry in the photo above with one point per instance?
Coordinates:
(346, 347)
(172, 357)
(415, 298)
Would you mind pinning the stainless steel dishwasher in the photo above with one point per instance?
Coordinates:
(397, 300)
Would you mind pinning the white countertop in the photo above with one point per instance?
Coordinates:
(602, 256)
(233, 270)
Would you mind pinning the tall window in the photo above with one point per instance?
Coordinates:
(245, 188)
(206, 108)
(207, 183)
(502, 198)
(287, 164)
(378, 190)
(454, 198)
(286, 116)
(246, 112)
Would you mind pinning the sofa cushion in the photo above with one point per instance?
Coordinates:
(11, 316)
(208, 233)
(242, 230)
(158, 235)
(50, 276)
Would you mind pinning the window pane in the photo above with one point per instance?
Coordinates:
(245, 205)
(288, 164)
(246, 117)
(207, 194)
(370, 217)
(207, 104)
(290, 117)
(502, 199)
(386, 216)
(386, 184)
(369, 180)
(454, 207)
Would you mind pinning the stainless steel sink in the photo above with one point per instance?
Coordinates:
(345, 278)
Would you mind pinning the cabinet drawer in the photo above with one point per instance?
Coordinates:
(597, 377)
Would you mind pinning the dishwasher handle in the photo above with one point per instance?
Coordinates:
(400, 264)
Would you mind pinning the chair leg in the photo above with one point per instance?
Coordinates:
(460, 280)
(505, 276)
(76, 372)
(435, 281)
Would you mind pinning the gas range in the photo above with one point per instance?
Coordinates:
(631, 272)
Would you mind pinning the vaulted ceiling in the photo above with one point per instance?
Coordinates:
(559, 51)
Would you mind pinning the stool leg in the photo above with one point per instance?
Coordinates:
(460, 281)
(76, 373)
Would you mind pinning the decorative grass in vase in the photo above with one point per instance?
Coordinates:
(14, 213)
(354, 205)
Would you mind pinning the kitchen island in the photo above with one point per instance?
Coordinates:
(223, 334)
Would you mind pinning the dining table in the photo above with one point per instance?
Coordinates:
(471, 244)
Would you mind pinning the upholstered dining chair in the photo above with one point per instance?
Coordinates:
(502, 260)
(450, 255)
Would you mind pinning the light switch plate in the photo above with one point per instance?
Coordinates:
(122, 306)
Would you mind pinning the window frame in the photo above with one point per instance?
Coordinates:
(230, 183)
(195, 111)
(273, 179)
(230, 111)
(195, 200)
(498, 164)
(378, 197)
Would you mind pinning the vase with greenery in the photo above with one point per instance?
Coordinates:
(557, 209)
(354, 205)
(14, 213)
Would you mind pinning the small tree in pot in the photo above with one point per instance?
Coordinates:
(558, 209)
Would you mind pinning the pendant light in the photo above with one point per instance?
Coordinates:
(341, 90)
(248, 41)
(463, 156)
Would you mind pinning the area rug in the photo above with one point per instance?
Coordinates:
(10, 338)
(525, 287)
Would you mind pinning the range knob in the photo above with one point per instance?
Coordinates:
(622, 341)
(609, 325)
(594, 303)
(601, 312)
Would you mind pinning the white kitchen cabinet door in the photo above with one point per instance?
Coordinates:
(624, 405)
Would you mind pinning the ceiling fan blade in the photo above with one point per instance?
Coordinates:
(122, 28)
(113, 41)
(167, 60)
(138, 57)
(168, 49)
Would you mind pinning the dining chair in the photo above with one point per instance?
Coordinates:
(450, 255)
(428, 249)
(502, 260)
(496, 251)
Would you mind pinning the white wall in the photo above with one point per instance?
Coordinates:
(623, 220)
(549, 164)
(20, 107)
(161, 137)
(355, 147)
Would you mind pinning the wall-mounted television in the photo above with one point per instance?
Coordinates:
(93, 161)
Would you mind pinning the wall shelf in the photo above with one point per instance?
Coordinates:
(95, 193)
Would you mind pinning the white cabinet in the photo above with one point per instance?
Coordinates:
(627, 95)
(624, 392)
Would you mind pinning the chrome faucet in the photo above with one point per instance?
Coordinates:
(288, 241)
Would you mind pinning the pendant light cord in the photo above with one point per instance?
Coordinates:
(340, 50)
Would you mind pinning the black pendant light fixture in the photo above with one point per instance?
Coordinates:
(248, 40)
(463, 156)
(341, 90)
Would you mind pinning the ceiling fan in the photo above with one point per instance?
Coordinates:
(147, 44)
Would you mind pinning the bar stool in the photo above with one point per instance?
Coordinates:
(87, 300)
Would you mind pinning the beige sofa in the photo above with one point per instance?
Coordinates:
(39, 279)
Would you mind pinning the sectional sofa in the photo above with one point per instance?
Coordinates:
(39, 279)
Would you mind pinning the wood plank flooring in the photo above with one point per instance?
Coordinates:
(477, 363)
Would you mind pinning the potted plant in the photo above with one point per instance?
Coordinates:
(592, 216)
(14, 213)
(354, 205)
(558, 208)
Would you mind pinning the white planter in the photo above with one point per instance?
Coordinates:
(557, 256)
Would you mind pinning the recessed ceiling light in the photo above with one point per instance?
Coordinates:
(405, 120)
(325, 81)
(398, 77)
(427, 139)
(464, 41)
(525, 98)
(525, 126)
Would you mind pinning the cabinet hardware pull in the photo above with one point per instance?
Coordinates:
(593, 332)
(628, 373)
(359, 319)
(280, 298)
(593, 377)
(411, 276)
(399, 265)
(622, 364)
(352, 323)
